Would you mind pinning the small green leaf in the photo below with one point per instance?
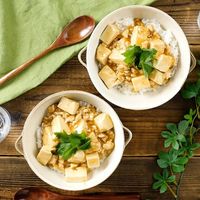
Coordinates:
(178, 168)
(168, 142)
(157, 176)
(175, 145)
(157, 184)
(195, 146)
(182, 126)
(163, 188)
(165, 134)
(165, 173)
(172, 127)
(190, 91)
(181, 160)
(162, 163)
(171, 179)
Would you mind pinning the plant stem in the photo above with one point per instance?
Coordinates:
(179, 183)
(175, 183)
(172, 191)
(191, 127)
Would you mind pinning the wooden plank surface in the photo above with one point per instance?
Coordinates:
(132, 175)
(135, 171)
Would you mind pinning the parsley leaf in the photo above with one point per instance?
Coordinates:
(69, 144)
(132, 55)
(140, 58)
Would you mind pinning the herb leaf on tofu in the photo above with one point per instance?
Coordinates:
(140, 58)
(69, 144)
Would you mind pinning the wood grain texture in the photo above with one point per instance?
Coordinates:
(146, 125)
(132, 175)
(135, 171)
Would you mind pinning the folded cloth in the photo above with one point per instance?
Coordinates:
(28, 27)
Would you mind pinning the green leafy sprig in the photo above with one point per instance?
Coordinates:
(180, 144)
(69, 144)
(140, 58)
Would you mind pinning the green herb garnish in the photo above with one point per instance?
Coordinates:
(140, 58)
(69, 144)
(181, 144)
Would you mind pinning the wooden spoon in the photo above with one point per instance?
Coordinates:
(36, 193)
(79, 29)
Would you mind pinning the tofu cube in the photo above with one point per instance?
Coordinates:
(78, 157)
(68, 105)
(122, 45)
(78, 174)
(108, 76)
(140, 83)
(102, 54)
(139, 35)
(164, 63)
(59, 125)
(158, 45)
(158, 77)
(103, 122)
(49, 138)
(117, 57)
(109, 34)
(93, 160)
(125, 33)
(81, 126)
(44, 155)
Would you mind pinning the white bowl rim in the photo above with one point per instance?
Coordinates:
(103, 178)
(102, 90)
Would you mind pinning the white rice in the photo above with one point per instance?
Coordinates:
(166, 36)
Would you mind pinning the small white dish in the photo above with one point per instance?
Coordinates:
(54, 178)
(147, 100)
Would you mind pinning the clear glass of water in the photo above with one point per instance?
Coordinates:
(5, 123)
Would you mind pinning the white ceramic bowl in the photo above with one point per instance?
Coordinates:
(54, 178)
(149, 99)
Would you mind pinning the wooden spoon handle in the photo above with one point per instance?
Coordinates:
(36, 193)
(22, 67)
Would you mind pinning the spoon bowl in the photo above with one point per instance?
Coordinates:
(76, 31)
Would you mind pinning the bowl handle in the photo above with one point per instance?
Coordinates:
(130, 135)
(80, 56)
(17, 145)
(193, 62)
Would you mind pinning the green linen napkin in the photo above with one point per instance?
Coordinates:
(30, 26)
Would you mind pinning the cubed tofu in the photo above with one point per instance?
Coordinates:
(158, 77)
(93, 160)
(140, 83)
(44, 155)
(81, 126)
(68, 105)
(117, 57)
(93, 137)
(103, 122)
(122, 45)
(163, 63)
(139, 35)
(158, 45)
(78, 174)
(125, 33)
(108, 76)
(49, 139)
(78, 157)
(102, 54)
(109, 34)
(59, 125)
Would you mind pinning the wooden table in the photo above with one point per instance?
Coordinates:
(138, 164)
